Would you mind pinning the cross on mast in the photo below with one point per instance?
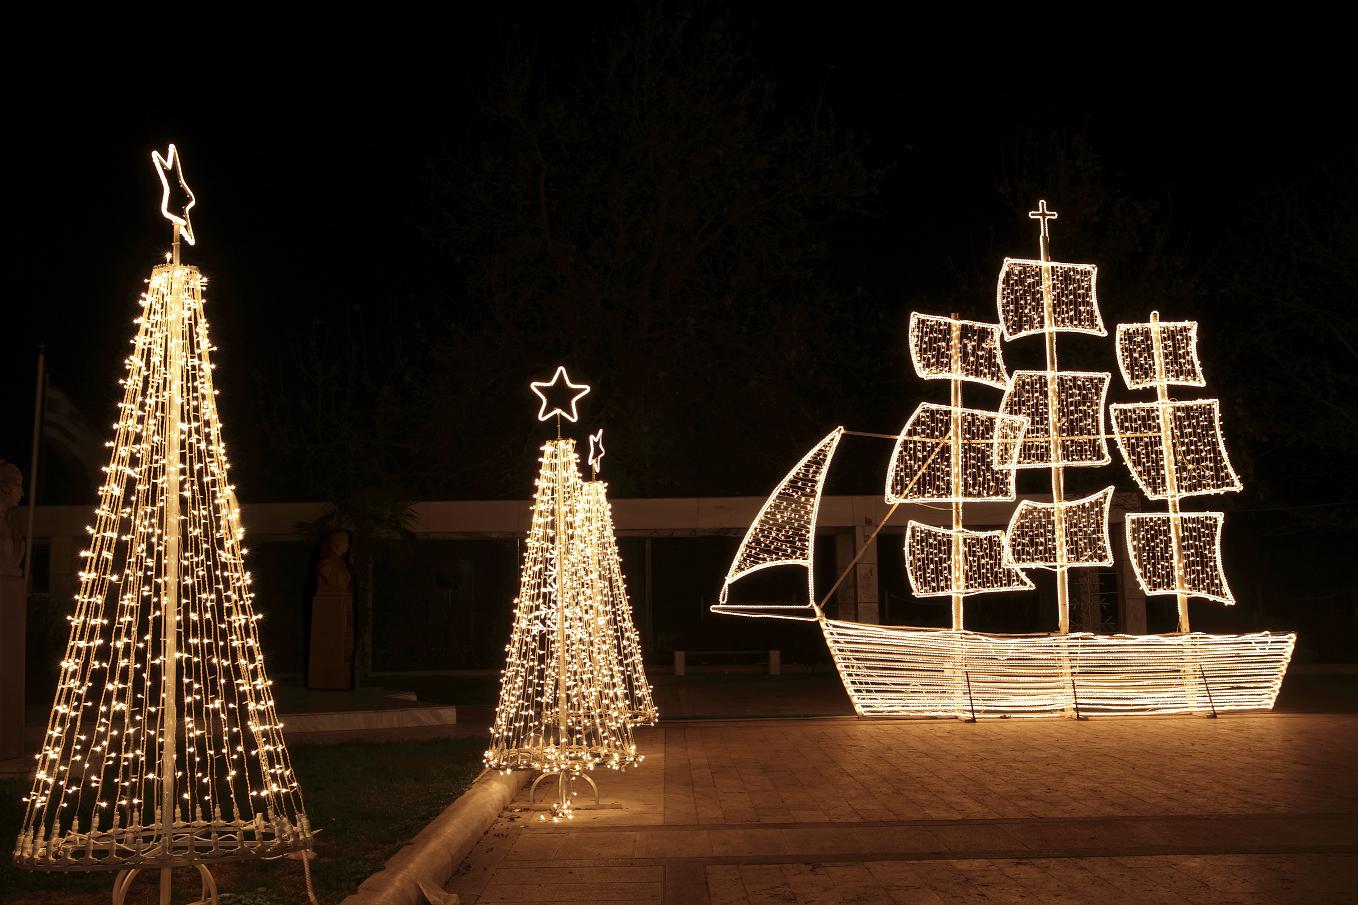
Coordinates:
(1042, 215)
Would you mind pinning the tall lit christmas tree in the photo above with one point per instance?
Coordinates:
(164, 748)
(563, 707)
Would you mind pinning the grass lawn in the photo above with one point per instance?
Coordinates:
(365, 799)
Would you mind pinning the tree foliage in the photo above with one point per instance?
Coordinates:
(649, 214)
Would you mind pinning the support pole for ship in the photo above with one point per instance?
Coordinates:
(169, 738)
(1042, 215)
(1171, 479)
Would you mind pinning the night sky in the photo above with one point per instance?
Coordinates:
(310, 140)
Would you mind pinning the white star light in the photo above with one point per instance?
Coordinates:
(596, 450)
(559, 380)
(172, 161)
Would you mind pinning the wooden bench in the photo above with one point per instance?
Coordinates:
(681, 658)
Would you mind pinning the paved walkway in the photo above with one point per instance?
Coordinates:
(1241, 809)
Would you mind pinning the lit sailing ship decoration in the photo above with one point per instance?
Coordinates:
(164, 747)
(1051, 419)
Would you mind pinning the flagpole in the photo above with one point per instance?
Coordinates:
(39, 392)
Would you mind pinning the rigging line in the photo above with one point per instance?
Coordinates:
(874, 435)
(857, 556)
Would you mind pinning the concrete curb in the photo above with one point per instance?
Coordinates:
(430, 858)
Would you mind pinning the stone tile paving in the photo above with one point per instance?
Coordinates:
(1241, 809)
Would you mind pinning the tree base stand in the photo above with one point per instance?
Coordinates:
(207, 893)
(564, 806)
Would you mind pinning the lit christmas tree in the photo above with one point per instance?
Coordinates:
(164, 748)
(564, 707)
(604, 570)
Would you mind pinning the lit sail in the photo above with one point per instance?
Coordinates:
(1032, 541)
(1078, 427)
(1174, 449)
(1074, 299)
(783, 533)
(934, 571)
(1178, 353)
(921, 464)
(1192, 566)
(943, 348)
(1197, 450)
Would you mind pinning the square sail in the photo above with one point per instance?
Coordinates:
(1025, 287)
(1178, 342)
(921, 464)
(929, 555)
(1079, 423)
(942, 348)
(1193, 568)
(1031, 541)
(1197, 449)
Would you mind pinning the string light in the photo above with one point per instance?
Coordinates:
(946, 348)
(1064, 411)
(891, 671)
(1199, 459)
(921, 466)
(607, 585)
(783, 534)
(1074, 302)
(1173, 449)
(1034, 539)
(929, 560)
(1078, 435)
(1178, 554)
(573, 685)
(164, 746)
(1178, 359)
(1048, 419)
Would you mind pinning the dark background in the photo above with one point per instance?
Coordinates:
(367, 191)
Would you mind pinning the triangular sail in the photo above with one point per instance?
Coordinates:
(930, 562)
(921, 464)
(1178, 554)
(1023, 302)
(783, 534)
(1032, 541)
(943, 348)
(1178, 353)
(1196, 449)
(1078, 429)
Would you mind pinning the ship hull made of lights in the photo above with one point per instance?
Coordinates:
(892, 671)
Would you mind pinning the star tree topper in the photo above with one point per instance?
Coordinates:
(173, 161)
(557, 387)
(596, 450)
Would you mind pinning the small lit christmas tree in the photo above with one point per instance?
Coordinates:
(604, 571)
(164, 748)
(563, 707)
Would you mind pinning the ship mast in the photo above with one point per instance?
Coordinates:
(955, 434)
(1171, 480)
(1058, 471)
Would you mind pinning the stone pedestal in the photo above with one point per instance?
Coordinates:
(13, 624)
(331, 662)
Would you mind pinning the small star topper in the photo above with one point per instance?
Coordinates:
(173, 161)
(596, 450)
(558, 382)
